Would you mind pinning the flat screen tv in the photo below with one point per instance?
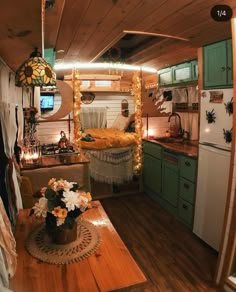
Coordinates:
(46, 101)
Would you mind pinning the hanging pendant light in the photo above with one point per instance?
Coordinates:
(35, 72)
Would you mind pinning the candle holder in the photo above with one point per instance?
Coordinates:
(31, 151)
(31, 155)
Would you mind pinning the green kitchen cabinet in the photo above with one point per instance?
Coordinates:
(152, 165)
(218, 66)
(170, 182)
(182, 72)
(178, 74)
(165, 76)
(188, 168)
(187, 186)
(152, 173)
(194, 69)
(169, 177)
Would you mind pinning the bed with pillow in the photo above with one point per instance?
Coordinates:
(121, 134)
(110, 150)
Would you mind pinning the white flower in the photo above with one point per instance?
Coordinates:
(68, 185)
(41, 208)
(71, 199)
(83, 203)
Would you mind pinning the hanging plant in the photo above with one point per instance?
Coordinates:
(211, 116)
(229, 107)
(227, 135)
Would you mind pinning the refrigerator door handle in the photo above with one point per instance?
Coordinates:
(214, 146)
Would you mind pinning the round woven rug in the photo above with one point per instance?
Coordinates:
(40, 246)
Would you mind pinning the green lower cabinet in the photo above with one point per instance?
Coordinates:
(152, 173)
(187, 186)
(170, 183)
(169, 178)
(185, 212)
(187, 190)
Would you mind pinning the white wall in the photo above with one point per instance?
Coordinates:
(113, 104)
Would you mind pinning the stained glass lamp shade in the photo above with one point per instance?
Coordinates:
(35, 72)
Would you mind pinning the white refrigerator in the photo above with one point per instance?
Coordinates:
(213, 164)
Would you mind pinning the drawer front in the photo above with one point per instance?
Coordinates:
(188, 168)
(185, 212)
(187, 190)
(152, 149)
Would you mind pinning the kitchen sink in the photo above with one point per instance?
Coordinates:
(179, 141)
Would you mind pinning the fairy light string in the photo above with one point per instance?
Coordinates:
(76, 107)
(137, 97)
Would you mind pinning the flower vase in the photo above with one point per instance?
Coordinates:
(64, 236)
(61, 234)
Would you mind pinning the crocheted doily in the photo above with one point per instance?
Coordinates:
(40, 246)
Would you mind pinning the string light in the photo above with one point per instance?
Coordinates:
(119, 66)
(136, 91)
(76, 107)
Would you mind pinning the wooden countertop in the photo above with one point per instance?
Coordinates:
(111, 267)
(189, 148)
(57, 160)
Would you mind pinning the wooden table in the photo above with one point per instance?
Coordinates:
(111, 267)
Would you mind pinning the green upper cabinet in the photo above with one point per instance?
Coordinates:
(178, 74)
(182, 73)
(194, 68)
(165, 76)
(218, 65)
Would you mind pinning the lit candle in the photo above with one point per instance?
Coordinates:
(35, 156)
(27, 156)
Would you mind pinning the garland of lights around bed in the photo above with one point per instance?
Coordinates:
(136, 91)
(76, 108)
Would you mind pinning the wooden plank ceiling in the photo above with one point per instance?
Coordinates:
(83, 30)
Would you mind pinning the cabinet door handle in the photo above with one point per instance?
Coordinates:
(223, 69)
(185, 207)
(186, 186)
(187, 163)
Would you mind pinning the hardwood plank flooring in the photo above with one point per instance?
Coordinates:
(172, 258)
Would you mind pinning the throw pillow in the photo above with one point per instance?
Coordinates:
(120, 122)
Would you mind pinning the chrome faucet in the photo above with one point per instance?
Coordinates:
(176, 131)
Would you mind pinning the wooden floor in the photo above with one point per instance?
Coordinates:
(171, 257)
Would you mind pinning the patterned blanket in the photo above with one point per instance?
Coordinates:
(106, 138)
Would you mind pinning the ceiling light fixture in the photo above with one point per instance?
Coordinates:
(64, 66)
(35, 72)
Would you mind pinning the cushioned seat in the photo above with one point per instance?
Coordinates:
(27, 193)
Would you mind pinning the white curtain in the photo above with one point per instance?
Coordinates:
(4, 81)
(8, 256)
(20, 117)
(180, 95)
(9, 129)
(93, 117)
